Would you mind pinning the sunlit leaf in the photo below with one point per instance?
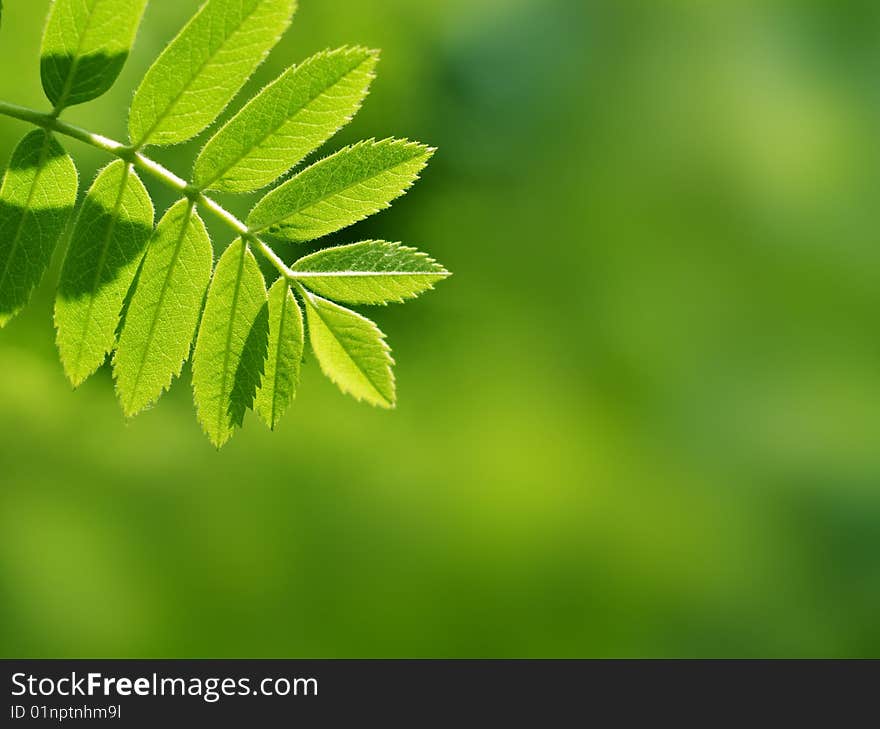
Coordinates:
(372, 272)
(291, 117)
(108, 241)
(284, 354)
(351, 350)
(161, 319)
(231, 346)
(338, 191)
(204, 67)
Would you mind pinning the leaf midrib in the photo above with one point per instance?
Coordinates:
(284, 305)
(347, 353)
(111, 229)
(155, 319)
(68, 82)
(286, 120)
(326, 196)
(366, 274)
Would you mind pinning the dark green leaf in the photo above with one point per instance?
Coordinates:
(284, 354)
(36, 198)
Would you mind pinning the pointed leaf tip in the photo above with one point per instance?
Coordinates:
(284, 355)
(371, 272)
(163, 314)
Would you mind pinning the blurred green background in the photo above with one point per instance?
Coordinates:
(642, 419)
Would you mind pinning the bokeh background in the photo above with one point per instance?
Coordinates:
(642, 419)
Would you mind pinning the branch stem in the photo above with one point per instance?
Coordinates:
(133, 156)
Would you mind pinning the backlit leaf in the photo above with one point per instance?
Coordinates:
(291, 117)
(231, 346)
(340, 190)
(351, 350)
(284, 354)
(108, 241)
(163, 313)
(372, 272)
(36, 198)
(200, 71)
(85, 45)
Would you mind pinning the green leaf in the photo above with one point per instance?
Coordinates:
(85, 45)
(36, 198)
(351, 350)
(340, 190)
(284, 355)
(108, 241)
(231, 346)
(372, 272)
(164, 309)
(200, 71)
(289, 119)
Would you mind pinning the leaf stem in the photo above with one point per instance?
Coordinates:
(133, 156)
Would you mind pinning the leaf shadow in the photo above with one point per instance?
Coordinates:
(28, 235)
(249, 373)
(93, 75)
(128, 242)
(23, 263)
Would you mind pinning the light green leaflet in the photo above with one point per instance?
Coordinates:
(290, 118)
(85, 45)
(36, 198)
(284, 354)
(340, 190)
(372, 272)
(197, 75)
(108, 241)
(351, 351)
(231, 346)
(164, 310)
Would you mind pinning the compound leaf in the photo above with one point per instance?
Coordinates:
(340, 190)
(85, 45)
(351, 350)
(163, 313)
(36, 198)
(108, 241)
(200, 71)
(289, 119)
(372, 272)
(284, 354)
(231, 346)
